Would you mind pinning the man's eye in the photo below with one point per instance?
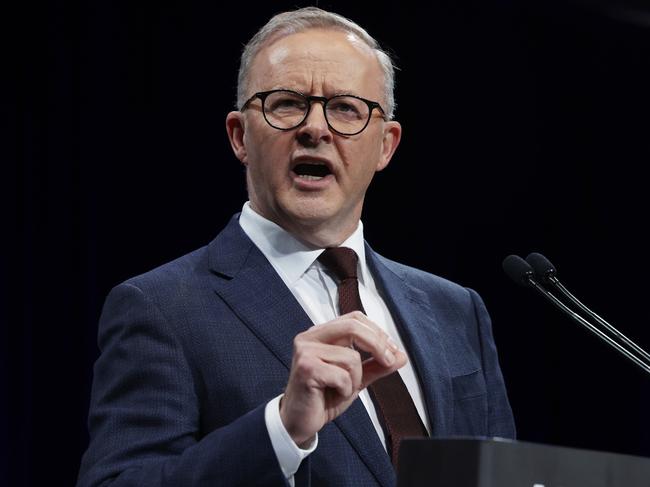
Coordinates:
(344, 108)
(287, 104)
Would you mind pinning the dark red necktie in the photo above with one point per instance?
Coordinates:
(393, 403)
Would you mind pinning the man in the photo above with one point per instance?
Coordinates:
(254, 361)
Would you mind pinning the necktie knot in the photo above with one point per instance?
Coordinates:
(342, 261)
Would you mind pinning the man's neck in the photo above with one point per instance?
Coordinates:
(317, 235)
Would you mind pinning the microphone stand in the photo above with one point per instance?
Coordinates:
(565, 292)
(521, 271)
(596, 331)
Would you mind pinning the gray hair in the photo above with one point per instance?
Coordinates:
(287, 23)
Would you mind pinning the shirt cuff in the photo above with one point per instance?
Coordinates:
(288, 453)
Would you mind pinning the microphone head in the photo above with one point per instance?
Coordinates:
(518, 270)
(542, 266)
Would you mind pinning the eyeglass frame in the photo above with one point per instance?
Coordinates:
(262, 95)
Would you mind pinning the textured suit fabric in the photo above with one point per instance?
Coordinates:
(192, 351)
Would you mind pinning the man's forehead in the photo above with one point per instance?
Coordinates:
(329, 60)
(280, 47)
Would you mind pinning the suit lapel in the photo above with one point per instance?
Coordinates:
(247, 282)
(257, 295)
(356, 426)
(421, 333)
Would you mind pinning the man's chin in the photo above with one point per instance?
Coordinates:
(312, 217)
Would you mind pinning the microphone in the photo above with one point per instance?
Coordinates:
(522, 272)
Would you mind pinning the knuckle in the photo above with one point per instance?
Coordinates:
(300, 341)
(297, 340)
(356, 356)
(357, 315)
(303, 365)
(382, 337)
(346, 382)
(348, 327)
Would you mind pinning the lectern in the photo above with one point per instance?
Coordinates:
(493, 462)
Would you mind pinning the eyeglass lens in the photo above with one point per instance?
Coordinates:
(345, 114)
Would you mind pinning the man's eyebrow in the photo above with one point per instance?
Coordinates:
(346, 92)
(297, 90)
(275, 88)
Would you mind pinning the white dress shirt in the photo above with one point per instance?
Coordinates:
(312, 285)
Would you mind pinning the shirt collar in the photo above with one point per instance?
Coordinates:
(289, 256)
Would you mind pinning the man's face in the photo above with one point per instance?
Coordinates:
(323, 211)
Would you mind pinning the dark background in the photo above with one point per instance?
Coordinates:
(525, 129)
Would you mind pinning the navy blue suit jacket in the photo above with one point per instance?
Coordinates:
(192, 351)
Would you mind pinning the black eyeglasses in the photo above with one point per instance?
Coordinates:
(286, 110)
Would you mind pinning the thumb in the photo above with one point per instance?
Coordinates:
(374, 370)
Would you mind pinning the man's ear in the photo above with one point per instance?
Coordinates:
(390, 141)
(235, 126)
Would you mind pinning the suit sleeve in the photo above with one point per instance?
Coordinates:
(500, 419)
(144, 418)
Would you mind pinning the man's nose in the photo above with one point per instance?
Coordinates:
(314, 128)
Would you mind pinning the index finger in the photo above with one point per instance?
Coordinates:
(359, 331)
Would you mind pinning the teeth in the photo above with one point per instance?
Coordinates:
(310, 178)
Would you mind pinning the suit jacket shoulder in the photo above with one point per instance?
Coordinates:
(175, 400)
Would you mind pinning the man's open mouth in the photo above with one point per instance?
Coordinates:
(312, 171)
